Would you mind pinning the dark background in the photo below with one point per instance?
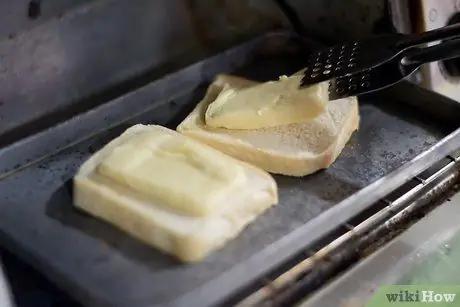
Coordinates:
(29, 288)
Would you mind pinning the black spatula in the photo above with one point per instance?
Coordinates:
(360, 67)
(391, 71)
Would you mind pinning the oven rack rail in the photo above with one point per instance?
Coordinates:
(357, 238)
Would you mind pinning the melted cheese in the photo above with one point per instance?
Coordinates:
(269, 104)
(180, 172)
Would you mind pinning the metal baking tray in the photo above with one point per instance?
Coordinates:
(403, 131)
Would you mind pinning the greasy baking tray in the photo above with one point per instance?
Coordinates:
(102, 266)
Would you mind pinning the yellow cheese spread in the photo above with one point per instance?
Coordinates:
(180, 172)
(268, 104)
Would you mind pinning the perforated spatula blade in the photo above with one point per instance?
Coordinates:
(348, 58)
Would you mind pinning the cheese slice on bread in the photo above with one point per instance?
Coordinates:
(269, 104)
(172, 192)
(295, 149)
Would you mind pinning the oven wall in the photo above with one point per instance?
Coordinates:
(330, 18)
(79, 51)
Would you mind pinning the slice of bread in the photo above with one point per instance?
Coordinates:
(171, 228)
(293, 149)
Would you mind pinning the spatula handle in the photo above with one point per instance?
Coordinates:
(442, 51)
(444, 33)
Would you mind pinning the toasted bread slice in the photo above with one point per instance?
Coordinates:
(295, 149)
(208, 200)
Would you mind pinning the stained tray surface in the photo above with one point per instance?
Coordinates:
(102, 266)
